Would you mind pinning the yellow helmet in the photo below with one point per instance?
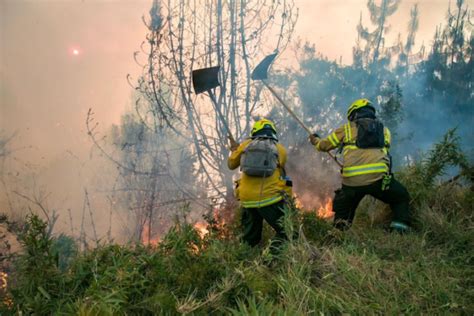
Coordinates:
(357, 104)
(261, 124)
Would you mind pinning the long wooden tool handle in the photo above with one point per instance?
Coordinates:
(221, 117)
(303, 125)
(287, 107)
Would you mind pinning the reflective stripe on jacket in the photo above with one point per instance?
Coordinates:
(361, 166)
(255, 192)
(262, 203)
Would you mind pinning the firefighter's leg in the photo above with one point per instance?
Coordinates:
(344, 205)
(252, 226)
(273, 215)
(397, 196)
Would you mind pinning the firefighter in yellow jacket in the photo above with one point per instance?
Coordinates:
(365, 145)
(264, 187)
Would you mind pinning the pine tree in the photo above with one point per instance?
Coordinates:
(455, 30)
(449, 68)
(374, 49)
(391, 111)
(406, 57)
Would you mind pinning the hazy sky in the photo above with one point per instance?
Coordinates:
(46, 89)
(331, 24)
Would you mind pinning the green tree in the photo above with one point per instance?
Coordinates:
(407, 58)
(375, 50)
(390, 105)
(450, 66)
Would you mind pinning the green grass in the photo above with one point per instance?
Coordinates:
(364, 270)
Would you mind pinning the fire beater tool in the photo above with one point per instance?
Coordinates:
(261, 73)
(204, 80)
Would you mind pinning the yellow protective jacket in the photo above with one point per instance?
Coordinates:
(361, 166)
(256, 192)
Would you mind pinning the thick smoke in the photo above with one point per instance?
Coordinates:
(426, 121)
(46, 91)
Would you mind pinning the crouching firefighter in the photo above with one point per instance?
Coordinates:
(365, 144)
(264, 188)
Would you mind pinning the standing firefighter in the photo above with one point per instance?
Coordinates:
(365, 144)
(264, 187)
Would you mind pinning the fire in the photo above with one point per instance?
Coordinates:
(323, 206)
(147, 239)
(201, 228)
(325, 210)
(6, 299)
(3, 280)
(298, 203)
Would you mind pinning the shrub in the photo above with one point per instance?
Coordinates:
(364, 270)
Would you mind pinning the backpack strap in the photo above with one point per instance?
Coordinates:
(347, 133)
(348, 140)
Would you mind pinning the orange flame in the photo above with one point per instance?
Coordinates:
(298, 202)
(325, 210)
(6, 299)
(201, 228)
(3, 280)
(147, 239)
(308, 202)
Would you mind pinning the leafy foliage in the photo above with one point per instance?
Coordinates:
(363, 270)
(444, 155)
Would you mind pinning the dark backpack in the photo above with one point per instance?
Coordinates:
(260, 158)
(370, 133)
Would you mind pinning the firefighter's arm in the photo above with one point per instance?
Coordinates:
(234, 160)
(332, 141)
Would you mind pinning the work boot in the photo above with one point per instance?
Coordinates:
(399, 227)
